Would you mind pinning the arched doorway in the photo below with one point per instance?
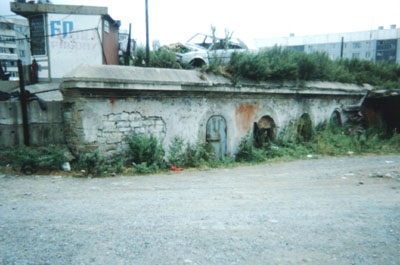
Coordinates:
(304, 128)
(216, 133)
(264, 131)
(336, 118)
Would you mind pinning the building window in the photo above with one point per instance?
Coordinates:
(106, 26)
(355, 55)
(6, 26)
(367, 55)
(38, 40)
(356, 45)
(7, 39)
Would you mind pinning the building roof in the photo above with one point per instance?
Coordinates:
(26, 9)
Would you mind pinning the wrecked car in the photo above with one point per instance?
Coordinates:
(203, 49)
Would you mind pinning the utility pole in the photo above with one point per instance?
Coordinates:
(147, 35)
(341, 48)
(128, 47)
(23, 99)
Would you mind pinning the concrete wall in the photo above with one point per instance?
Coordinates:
(45, 127)
(103, 105)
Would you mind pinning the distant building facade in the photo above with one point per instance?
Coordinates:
(375, 45)
(123, 45)
(14, 34)
(65, 36)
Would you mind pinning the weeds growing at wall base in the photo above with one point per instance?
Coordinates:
(326, 139)
(146, 155)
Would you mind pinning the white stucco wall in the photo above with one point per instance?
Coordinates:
(101, 114)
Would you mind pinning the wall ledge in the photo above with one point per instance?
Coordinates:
(113, 79)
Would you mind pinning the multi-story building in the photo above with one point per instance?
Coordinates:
(375, 45)
(65, 36)
(14, 34)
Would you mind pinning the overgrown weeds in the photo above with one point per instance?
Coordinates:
(279, 64)
(146, 155)
(327, 139)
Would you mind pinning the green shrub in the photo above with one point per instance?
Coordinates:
(176, 152)
(32, 159)
(146, 151)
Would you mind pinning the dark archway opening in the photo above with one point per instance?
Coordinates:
(304, 128)
(264, 131)
(336, 119)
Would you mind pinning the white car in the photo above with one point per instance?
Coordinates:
(203, 49)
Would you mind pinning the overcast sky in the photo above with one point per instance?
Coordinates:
(177, 20)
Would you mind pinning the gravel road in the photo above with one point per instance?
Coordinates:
(318, 211)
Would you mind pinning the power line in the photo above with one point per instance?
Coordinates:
(47, 35)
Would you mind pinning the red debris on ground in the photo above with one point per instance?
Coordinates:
(174, 168)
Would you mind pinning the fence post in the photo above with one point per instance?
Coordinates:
(23, 100)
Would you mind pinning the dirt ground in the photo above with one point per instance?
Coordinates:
(317, 211)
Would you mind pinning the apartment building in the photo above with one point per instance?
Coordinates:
(382, 44)
(14, 45)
